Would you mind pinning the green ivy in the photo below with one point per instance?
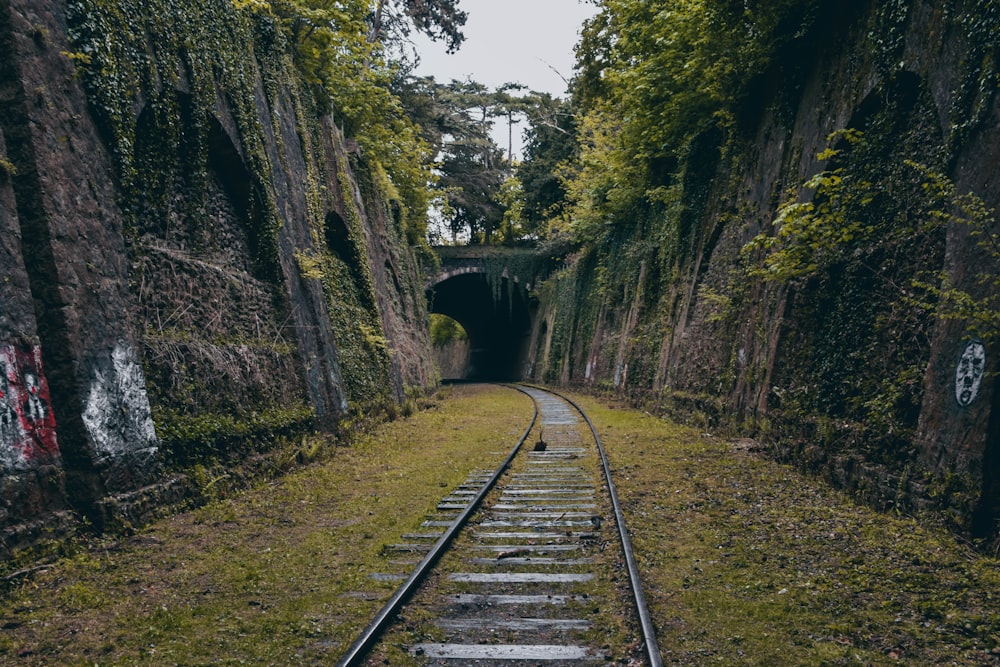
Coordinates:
(155, 73)
(979, 78)
(219, 437)
(856, 210)
(134, 55)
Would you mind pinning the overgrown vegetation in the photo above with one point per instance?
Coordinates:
(690, 126)
(653, 78)
(445, 331)
(749, 562)
(174, 86)
(854, 211)
(277, 575)
(744, 561)
(865, 248)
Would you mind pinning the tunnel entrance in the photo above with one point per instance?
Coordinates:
(497, 321)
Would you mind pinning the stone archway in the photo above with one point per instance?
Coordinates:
(498, 322)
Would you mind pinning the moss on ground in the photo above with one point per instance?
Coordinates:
(745, 561)
(277, 575)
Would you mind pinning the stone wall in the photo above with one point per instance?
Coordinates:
(158, 309)
(794, 363)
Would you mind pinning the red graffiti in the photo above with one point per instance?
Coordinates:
(27, 425)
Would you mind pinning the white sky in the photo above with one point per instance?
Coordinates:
(511, 41)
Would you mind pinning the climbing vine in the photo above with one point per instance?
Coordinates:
(134, 57)
(852, 213)
(979, 76)
(168, 81)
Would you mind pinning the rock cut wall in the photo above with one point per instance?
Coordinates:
(165, 199)
(842, 371)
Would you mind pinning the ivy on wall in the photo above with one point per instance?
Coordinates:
(134, 56)
(168, 81)
(854, 253)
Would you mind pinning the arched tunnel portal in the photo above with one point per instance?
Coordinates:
(498, 322)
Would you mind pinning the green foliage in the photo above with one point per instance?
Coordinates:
(719, 305)
(654, 76)
(363, 351)
(661, 93)
(979, 77)
(471, 166)
(219, 437)
(475, 197)
(441, 20)
(128, 51)
(445, 330)
(853, 213)
(549, 141)
(341, 58)
(155, 73)
(7, 167)
(949, 207)
(820, 231)
(511, 200)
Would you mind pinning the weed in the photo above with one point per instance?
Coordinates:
(276, 575)
(747, 561)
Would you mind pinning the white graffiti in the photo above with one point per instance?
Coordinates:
(35, 409)
(117, 415)
(969, 373)
(12, 455)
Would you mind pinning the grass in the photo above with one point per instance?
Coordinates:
(274, 576)
(744, 561)
(748, 562)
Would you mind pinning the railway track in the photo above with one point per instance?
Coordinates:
(526, 565)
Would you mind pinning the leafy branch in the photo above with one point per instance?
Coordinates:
(848, 217)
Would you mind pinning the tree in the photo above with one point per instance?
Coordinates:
(482, 198)
(508, 106)
(551, 142)
(441, 20)
(654, 76)
(471, 172)
(455, 119)
(511, 199)
(341, 60)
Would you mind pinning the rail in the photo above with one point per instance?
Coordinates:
(642, 609)
(370, 634)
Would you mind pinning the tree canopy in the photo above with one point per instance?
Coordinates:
(480, 197)
(340, 48)
(653, 76)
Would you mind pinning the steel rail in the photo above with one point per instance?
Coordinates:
(648, 631)
(370, 634)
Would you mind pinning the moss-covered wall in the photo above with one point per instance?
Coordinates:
(847, 368)
(212, 265)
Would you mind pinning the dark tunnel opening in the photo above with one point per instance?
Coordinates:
(498, 325)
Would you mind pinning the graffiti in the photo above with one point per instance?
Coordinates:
(27, 426)
(34, 408)
(969, 373)
(117, 414)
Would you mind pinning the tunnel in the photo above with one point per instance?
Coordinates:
(498, 323)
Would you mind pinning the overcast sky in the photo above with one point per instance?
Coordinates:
(523, 41)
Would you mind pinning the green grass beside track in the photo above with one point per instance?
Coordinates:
(744, 561)
(749, 562)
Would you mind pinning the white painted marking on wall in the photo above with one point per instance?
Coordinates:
(969, 373)
(12, 455)
(117, 416)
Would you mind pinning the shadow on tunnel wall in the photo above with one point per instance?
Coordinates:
(497, 321)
